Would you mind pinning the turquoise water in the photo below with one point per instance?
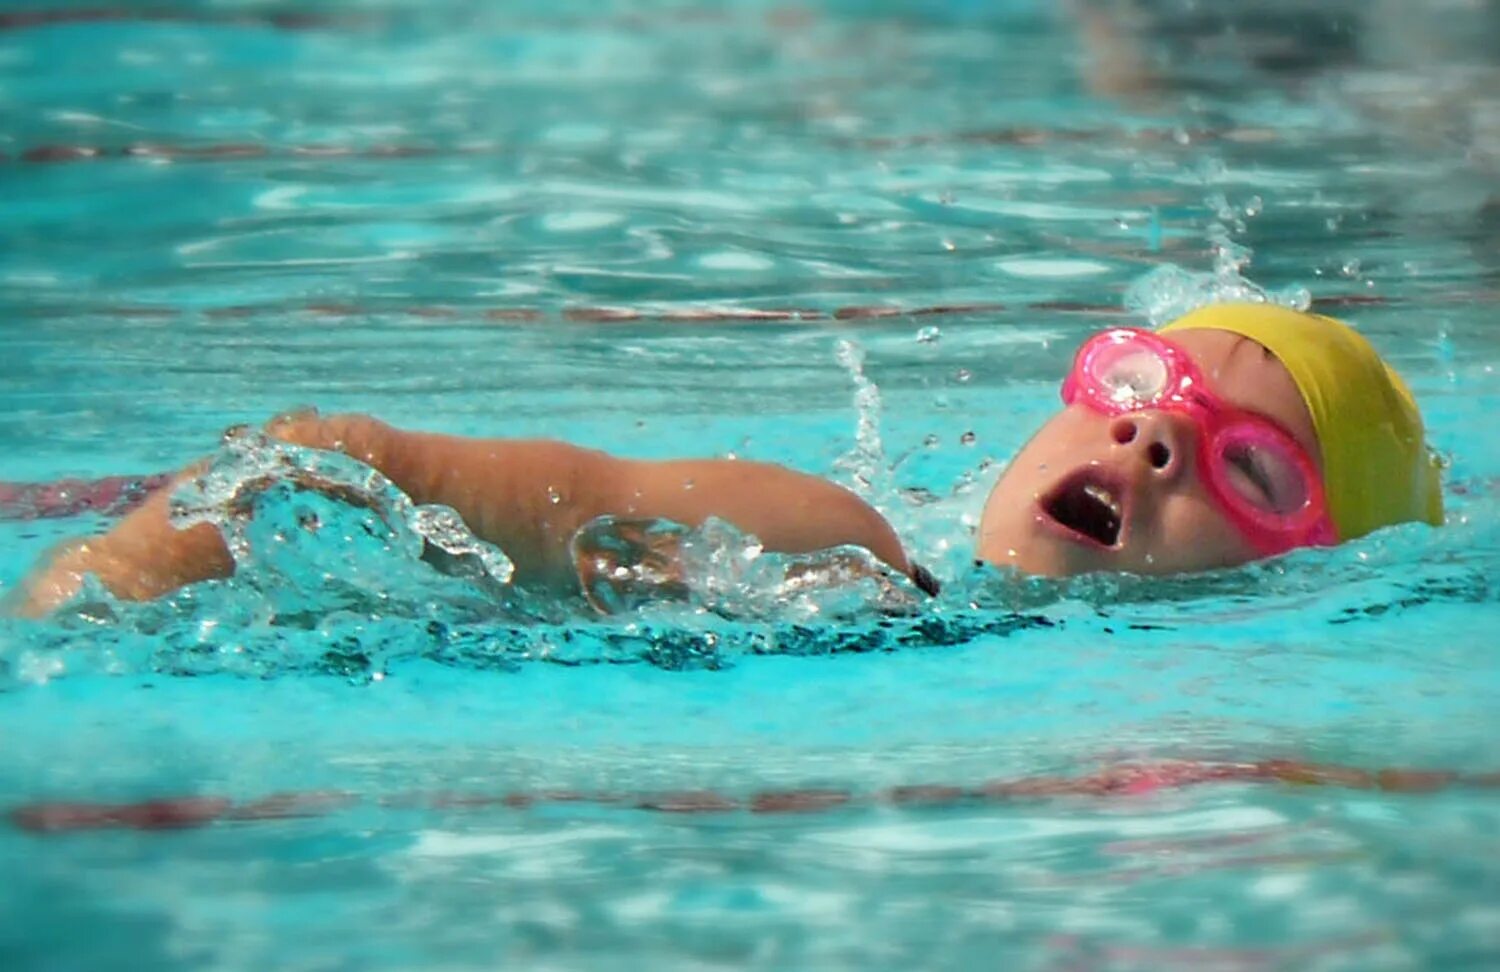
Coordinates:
(665, 231)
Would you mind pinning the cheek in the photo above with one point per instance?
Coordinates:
(1195, 534)
(1068, 439)
(1030, 473)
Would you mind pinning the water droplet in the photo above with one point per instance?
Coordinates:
(1350, 267)
(688, 484)
(931, 441)
(968, 438)
(963, 375)
(929, 335)
(1298, 298)
(1253, 206)
(949, 245)
(553, 496)
(235, 432)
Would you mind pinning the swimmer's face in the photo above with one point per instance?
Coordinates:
(1042, 518)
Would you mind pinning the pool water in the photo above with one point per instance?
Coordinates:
(861, 239)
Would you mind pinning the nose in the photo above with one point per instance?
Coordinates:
(1158, 441)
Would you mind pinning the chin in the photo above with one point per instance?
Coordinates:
(1057, 565)
(1038, 555)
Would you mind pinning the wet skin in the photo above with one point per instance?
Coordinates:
(1169, 522)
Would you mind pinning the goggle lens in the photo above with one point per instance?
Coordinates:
(1263, 474)
(1130, 374)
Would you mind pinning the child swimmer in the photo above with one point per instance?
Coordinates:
(1237, 432)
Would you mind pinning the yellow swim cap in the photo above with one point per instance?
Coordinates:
(1377, 469)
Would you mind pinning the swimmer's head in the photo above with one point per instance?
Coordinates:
(1236, 432)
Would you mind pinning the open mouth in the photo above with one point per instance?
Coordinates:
(1087, 504)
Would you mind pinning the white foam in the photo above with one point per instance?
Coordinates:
(580, 220)
(1036, 269)
(734, 260)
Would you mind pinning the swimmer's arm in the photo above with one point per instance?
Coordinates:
(526, 496)
(530, 496)
(142, 557)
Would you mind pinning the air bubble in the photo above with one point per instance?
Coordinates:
(968, 438)
(963, 375)
(929, 335)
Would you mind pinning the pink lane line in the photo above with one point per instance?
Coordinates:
(860, 312)
(1353, 300)
(1124, 780)
(93, 15)
(110, 496)
(54, 153)
(1031, 137)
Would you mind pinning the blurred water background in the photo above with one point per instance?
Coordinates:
(858, 238)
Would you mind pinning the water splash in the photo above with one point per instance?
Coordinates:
(627, 565)
(282, 508)
(736, 601)
(1168, 292)
(865, 463)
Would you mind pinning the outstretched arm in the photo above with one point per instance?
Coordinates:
(526, 496)
(142, 557)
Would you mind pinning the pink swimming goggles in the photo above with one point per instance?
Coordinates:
(1258, 474)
